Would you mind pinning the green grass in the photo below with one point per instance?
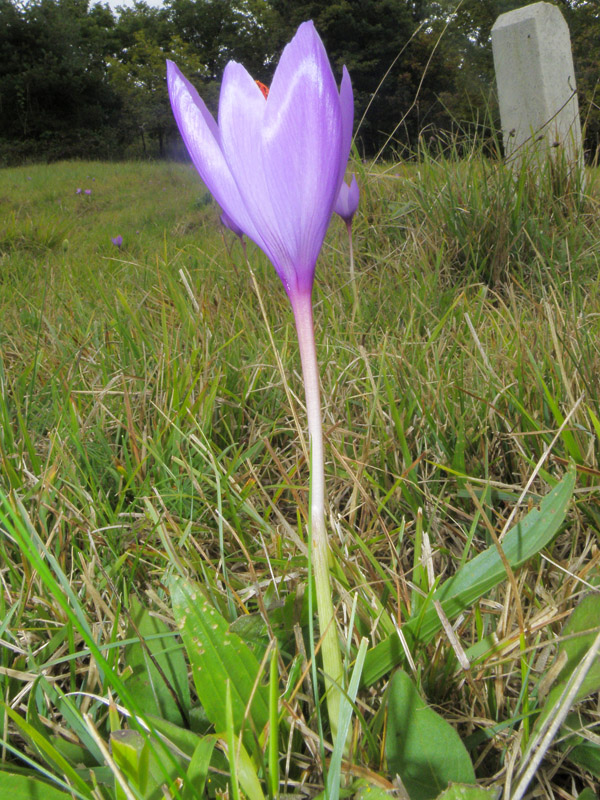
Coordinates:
(146, 430)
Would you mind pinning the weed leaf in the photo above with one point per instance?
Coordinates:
(24, 787)
(216, 654)
(146, 682)
(420, 746)
(459, 791)
(579, 749)
(578, 635)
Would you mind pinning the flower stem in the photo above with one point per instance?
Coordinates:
(330, 648)
(352, 274)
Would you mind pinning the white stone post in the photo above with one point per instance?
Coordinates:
(539, 111)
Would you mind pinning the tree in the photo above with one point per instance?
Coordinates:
(138, 77)
(222, 30)
(55, 95)
(583, 19)
(468, 40)
(201, 36)
(77, 80)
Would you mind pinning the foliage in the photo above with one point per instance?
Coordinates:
(138, 77)
(78, 79)
(241, 30)
(583, 19)
(56, 99)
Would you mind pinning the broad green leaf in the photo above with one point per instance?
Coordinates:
(102, 776)
(421, 746)
(179, 738)
(22, 787)
(130, 752)
(577, 636)
(458, 791)
(476, 578)
(587, 794)
(234, 787)
(197, 772)
(253, 630)
(75, 753)
(146, 764)
(146, 683)
(216, 655)
(586, 755)
(246, 773)
(579, 749)
(363, 790)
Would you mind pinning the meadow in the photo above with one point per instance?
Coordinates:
(152, 439)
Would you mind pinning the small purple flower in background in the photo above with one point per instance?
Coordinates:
(275, 165)
(87, 191)
(345, 206)
(117, 240)
(229, 223)
(347, 200)
(78, 191)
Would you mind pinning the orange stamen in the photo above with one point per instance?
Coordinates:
(264, 89)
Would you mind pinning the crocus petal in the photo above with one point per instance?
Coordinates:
(347, 106)
(239, 90)
(282, 152)
(202, 139)
(347, 200)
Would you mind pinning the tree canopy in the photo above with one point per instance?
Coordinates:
(77, 79)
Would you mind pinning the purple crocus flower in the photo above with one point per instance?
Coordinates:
(274, 165)
(78, 191)
(347, 200)
(87, 191)
(117, 240)
(345, 206)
